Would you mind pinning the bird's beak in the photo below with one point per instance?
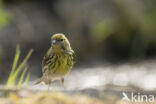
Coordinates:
(54, 41)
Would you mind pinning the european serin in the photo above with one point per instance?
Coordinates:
(58, 60)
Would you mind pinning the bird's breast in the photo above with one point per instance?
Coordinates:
(63, 66)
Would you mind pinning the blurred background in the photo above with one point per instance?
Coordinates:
(114, 40)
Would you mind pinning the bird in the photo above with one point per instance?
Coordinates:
(58, 60)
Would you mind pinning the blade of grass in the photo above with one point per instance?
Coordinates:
(12, 78)
(26, 80)
(21, 65)
(15, 62)
(21, 78)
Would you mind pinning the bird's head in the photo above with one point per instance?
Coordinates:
(60, 43)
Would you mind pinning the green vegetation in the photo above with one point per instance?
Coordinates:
(4, 16)
(15, 71)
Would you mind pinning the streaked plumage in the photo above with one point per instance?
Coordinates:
(58, 60)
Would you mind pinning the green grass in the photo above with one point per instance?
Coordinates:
(16, 70)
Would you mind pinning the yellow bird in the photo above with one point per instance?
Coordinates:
(58, 60)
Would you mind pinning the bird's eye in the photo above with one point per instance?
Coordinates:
(61, 40)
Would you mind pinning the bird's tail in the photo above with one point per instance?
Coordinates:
(39, 81)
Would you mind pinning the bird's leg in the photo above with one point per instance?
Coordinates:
(62, 80)
(49, 83)
(48, 86)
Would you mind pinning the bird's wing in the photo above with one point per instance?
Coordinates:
(72, 53)
(47, 59)
(74, 57)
